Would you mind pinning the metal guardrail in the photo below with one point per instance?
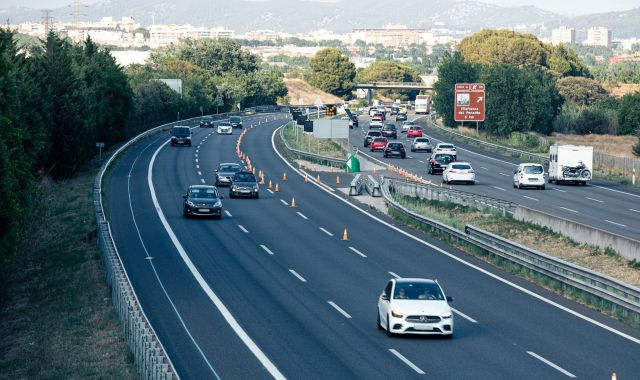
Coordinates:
(441, 193)
(355, 187)
(149, 355)
(317, 158)
(603, 286)
(373, 186)
(618, 293)
(521, 153)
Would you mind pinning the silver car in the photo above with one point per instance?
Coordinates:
(421, 143)
(225, 172)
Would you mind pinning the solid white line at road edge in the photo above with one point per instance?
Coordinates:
(550, 364)
(233, 323)
(406, 361)
(458, 259)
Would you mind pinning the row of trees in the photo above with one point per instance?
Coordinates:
(56, 101)
(532, 87)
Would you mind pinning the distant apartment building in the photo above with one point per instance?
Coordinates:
(563, 35)
(163, 35)
(598, 36)
(392, 36)
(265, 35)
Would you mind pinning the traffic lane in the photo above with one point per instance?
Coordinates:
(563, 202)
(323, 207)
(164, 272)
(231, 270)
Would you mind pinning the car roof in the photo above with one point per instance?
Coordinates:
(229, 163)
(410, 280)
(460, 163)
(201, 187)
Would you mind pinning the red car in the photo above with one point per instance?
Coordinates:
(378, 143)
(414, 131)
(380, 115)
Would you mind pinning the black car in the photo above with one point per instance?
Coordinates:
(206, 122)
(439, 161)
(370, 136)
(202, 200)
(395, 149)
(244, 184)
(225, 172)
(180, 135)
(390, 131)
(236, 121)
(401, 117)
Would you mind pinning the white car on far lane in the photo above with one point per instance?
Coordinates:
(406, 125)
(415, 306)
(529, 174)
(224, 128)
(459, 172)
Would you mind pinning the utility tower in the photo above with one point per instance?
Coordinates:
(46, 21)
(77, 13)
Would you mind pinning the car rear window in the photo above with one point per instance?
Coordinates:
(415, 128)
(375, 134)
(390, 127)
(422, 140)
(460, 166)
(180, 131)
(380, 139)
(533, 169)
(446, 146)
(444, 158)
(395, 145)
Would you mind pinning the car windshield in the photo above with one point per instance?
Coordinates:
(229, 168)
(418, 291)
(533, 169)
(234, 119)
(444, 158)
(182, 131)
(207, 118)
(203, 193)
(244, 177)
(225, 124)
(461, 166)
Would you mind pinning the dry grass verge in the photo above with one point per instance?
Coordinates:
(304, 142)
(535, 237)
(56, 315)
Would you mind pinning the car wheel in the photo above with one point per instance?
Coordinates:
(218, 217)
(384, 155)
(450, 336)
(542, 187)
(379, 322)
(231, 194)
(389, 333)
(404, 156)
(519, 185)
(514, 185)
(257, 196)
(472, 182)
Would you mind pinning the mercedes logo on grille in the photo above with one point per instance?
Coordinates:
(423, 318)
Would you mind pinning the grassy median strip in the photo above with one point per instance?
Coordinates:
(542, 239)
(308, 143)
(56, 315)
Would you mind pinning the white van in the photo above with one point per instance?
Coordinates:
(529, 175)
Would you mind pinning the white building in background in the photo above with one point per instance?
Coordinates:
(163, 35)
(391, 36)
(563, 35)
(598, 36)
(265, 35)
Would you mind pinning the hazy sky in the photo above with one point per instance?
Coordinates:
(558, 6)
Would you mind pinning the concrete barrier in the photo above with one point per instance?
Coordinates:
(626, 247)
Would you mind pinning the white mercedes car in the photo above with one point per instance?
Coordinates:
(459, 172)
(415, 306)
(224, 128)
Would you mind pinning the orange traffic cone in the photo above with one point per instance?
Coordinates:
(293, 202)
(270, 185)
(276, 189)
(337, 180)
(344, 234)
(318, 179)
(374, 171)
(284, 177)
(306, 178)
(254, 171)
(315, 168)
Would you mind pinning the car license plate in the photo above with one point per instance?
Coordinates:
(423, 327)
(245, 191)
(203, 210)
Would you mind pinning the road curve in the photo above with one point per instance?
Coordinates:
(306, 299)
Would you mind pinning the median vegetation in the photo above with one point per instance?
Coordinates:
(542, 239)
(307, 143)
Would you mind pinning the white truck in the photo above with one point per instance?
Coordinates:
(570, 163)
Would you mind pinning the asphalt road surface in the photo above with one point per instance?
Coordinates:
(272, 291)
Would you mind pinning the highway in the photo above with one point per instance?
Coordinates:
(272, 291)
(602, 204)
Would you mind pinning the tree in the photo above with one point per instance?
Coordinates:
(565, 62)
(390, 71)
(452, 70)
(519, 100)
(332, 72)
(216, 56)
(629, 113)
(582, 91)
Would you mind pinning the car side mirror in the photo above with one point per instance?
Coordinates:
(184, 196)
(221, 197)
(515, 172)
(384, 297)
(449, 299)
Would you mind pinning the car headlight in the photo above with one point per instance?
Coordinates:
(255, 187)
(447, 315)
(234, 188)
(191, 204)
(217, 204)
(397, 314)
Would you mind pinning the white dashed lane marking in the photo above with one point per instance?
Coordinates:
(326, 232)
(297, 275)
(406, 361)
(240, 226)
(358, 252)
(344, 313)
(266, 249)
